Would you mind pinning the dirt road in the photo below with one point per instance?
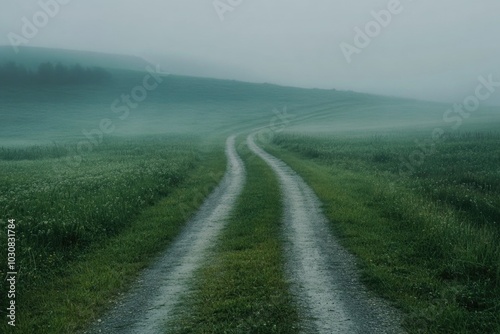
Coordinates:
(323, 274)
(151, 301)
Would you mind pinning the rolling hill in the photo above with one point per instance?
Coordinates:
(181, 104)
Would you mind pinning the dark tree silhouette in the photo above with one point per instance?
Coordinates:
(46, 73)
(62, 73)
(12, 73)
(50, 74)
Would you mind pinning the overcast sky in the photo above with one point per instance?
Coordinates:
(427, 49)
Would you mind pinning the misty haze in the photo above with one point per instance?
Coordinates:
(234, 166)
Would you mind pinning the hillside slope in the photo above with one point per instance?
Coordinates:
(197, 105)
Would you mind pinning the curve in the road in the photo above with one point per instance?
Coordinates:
(322, 273)
(149, 305)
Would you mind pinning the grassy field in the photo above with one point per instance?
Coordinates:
(242, 288)
(87, 223)
(426, 239)
(83, 233)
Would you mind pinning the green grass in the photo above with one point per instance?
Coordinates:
(60, 209)
(128, 210)
(420, 242)
(242, 288)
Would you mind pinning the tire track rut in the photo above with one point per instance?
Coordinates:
(323, 274)
(149, 305)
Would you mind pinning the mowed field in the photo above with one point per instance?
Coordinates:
(93, 208)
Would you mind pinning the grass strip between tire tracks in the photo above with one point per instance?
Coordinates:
(242, 288)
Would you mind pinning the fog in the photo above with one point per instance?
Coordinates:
(424, 49)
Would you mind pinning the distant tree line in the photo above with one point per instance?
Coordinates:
(50, 74)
